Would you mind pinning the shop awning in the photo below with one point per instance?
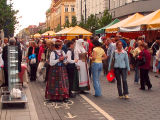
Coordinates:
(129, 20)
(37, 35)
(78, 31)
(49, 33)
(64, 31)
(102, 30)
(146, 20)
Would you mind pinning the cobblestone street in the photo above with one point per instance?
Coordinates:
(142, 105)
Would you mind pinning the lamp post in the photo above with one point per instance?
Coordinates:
(109, 6)
(85, 11)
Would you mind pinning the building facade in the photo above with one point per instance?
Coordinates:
(88, 7)
(123, 8)
(41, 26)
(59, 12)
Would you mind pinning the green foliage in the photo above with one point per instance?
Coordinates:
(105, 19)
(67, 24)
(8, 18)
(82, 23)
(58, 28)
(74, 21)
(92, 23)
(43, 31)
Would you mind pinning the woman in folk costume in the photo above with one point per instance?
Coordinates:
(81, 55)
(57, 83)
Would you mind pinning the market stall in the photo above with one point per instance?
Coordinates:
(49, 34)
(102, 30)
(37, 35)
(130, 19)
(76, 31)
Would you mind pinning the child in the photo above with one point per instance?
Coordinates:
(71, 69)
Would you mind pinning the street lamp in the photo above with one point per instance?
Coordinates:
(85, 11)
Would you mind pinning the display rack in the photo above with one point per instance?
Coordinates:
(13, 78)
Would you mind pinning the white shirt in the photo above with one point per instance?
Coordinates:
(158, 55)
(53, 61)
(69, 57)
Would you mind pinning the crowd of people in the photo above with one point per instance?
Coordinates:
(68, 66)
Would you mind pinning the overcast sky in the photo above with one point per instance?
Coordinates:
(32, 12)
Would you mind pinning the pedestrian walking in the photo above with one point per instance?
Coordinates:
(158, 62)
(97, 66)
(155, 48)
(12, 42)
(33, 60)
(135, 54)
(105, 62)
(145, 57)
(121, 66)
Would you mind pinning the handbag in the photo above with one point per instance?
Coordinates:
(110, 76)
(142, 61)
(33, 57)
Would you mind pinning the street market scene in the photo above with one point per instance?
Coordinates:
(79, 60)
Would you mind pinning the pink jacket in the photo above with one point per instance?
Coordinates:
(41, 50)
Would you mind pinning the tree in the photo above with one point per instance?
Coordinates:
(67, 24)
(92, 23)
(58, 28)
(105, 19)
(8, 18)
(43, 31)
(82, 23)
(74, 21)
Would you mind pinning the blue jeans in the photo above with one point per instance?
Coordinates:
(136, 78)
(96, 72)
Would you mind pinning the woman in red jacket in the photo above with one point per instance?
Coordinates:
(144, 68)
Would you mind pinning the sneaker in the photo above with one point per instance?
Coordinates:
(136, 83)
(149, 88)
(121, 97)
(126, 97)
(142, 88)
(157, 76)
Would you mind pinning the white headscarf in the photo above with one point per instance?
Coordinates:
(79, 47)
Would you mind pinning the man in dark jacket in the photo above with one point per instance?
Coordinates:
(12, 42)
(155, 48)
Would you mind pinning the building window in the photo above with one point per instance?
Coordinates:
(66, 9)
(66, 18)
(72, 9)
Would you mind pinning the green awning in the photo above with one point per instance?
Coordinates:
(102, 30)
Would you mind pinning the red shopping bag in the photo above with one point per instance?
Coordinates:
(110, 76)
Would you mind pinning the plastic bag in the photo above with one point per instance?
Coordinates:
(33, 61)
(16, 93)
(110, 76)
(41, 72)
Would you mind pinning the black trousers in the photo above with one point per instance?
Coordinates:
(33, 71)
(6, 77)
(47, 70)
(71, 74)
(121, 77)
(144, 78)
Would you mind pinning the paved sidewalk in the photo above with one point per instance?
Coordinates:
(76, 109)
(142, 105)
(18, 111)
